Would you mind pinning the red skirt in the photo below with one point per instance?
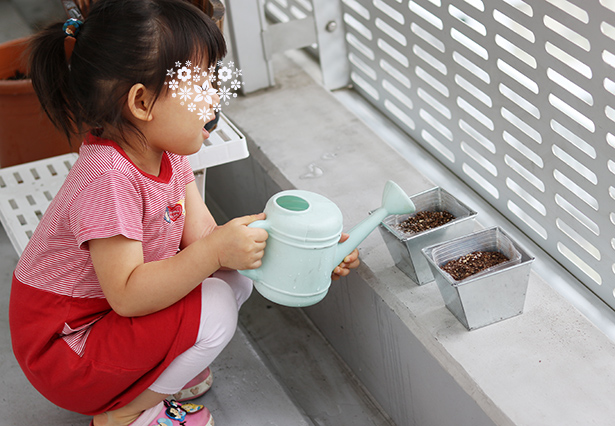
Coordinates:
(121, 358)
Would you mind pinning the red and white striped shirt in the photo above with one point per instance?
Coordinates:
(72, 347)
(104, 195)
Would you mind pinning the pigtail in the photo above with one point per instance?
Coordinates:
(50, 73)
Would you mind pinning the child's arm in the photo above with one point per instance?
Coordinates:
(134, 288)
(199, 221)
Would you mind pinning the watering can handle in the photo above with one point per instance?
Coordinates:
(263, 224)
(254, 274)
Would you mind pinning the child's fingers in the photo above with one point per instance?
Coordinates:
(350, 262)
(253, 256)
(354, 264)
(258, 235)
(352, 259)
(339, 272)
(255, 233)
(246, 220)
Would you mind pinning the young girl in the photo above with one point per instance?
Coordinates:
(128, 290)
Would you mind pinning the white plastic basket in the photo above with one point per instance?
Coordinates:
(25, 193)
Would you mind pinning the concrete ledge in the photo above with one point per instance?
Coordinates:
(549, 366)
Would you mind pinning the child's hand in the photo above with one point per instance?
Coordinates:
(241, 247)
(350, 262)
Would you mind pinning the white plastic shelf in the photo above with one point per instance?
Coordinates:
(25, 193)
(27, 189)
(225, 144)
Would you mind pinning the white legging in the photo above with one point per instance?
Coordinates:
(221, 297)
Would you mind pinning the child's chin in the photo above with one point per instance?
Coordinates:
(193, 150)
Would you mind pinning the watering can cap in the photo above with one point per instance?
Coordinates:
(304, 216)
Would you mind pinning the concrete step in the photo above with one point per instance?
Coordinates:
(245, 392)
(318, 381)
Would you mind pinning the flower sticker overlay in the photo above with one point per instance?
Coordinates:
(198, 86)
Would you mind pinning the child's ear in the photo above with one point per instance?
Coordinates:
(140, 102)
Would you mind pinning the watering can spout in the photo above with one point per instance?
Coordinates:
(394, 201)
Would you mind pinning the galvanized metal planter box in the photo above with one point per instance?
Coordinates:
(492, 295)
(405, 248)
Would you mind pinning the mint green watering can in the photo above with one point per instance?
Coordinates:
(303, 246)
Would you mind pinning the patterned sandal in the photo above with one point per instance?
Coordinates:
(195, 387)
(172, 413)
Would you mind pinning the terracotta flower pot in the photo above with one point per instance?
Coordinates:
(26, 133)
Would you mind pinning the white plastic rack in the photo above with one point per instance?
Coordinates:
(25, 193)
(225, 144)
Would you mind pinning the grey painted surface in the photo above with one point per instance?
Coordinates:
(13, 25)
(315, 377)
(38, 13)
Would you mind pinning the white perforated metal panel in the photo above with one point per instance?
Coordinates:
(287, 10)
(290, 10)
(517, 98)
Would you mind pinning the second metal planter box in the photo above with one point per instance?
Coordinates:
(492, 295)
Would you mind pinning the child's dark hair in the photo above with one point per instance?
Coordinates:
(121, 43)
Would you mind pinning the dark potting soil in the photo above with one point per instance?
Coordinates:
(18, 76)
(473, 263)
(422, 221)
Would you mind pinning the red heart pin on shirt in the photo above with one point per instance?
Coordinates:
(175, 212)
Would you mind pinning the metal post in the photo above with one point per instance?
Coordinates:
(255, 42)
(246, 19)
(332, 50)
